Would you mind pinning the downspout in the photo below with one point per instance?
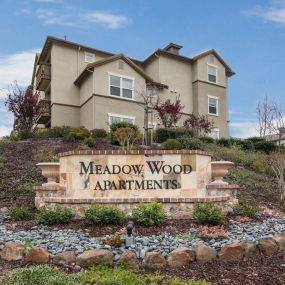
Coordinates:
(93, 100)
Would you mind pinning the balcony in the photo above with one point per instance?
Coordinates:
(43, 76)
(43, 112)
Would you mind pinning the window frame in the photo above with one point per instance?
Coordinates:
(215, 130)
(217, 105)
(88, 54)
(216, 67)
(121, 117)
(121, 85)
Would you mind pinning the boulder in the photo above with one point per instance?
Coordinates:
(67, 257)
(204, 253)
(250, 248)
(231, 252)
(280, 240)
(130, 258)
(38, 255)
(12, 251)
(95, 255)
(180, 257)
(154, 260)
(267, 246)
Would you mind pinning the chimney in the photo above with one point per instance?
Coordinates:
(173, 48)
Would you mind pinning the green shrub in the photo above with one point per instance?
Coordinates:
(79, 133)
(171, 144)
(99, 133)
(19, 214)
(41, 274)
(246, 145)
(191, 143)
(55, 132)
(117, 125)
(122, 275)
(224, 142)
(55, 215)
(261, 165)
(24, 134)
(265, 146)
(208, 213)
(98, 214)
(90, 142)
(245, 209)
(149, 214)
(207, 139)
(163, 134)
(5, 140)
(255, 139)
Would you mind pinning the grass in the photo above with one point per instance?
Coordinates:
(97, 275)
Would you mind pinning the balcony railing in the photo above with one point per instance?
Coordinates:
(43, 76)
(43, 111)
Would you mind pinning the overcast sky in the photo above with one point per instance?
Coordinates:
(249, 35)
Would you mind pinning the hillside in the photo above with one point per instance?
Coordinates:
(18, 171)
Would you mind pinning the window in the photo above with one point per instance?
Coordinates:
(212, 73)
(215, 133)
(151, 125)
(89, 57)
(213, 105)
(121, 86)
(115, 118)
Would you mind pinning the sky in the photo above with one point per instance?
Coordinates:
(248, 34)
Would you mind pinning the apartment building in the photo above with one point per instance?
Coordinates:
(84, 86)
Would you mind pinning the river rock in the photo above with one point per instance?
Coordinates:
(280, 240)
(12, 251)
(67, 257)
(204, 253)
(38, 255)
(267, 246)
(232, 252)
(93, 256)
(154, 260)
(180, 257)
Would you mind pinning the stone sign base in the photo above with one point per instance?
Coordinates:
(177, 179)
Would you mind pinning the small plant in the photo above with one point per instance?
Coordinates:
(171, 144)
(162, 134)
(207, 139)
(149, 214)
(98, 214)
(216, 232)
(20, 214)
(115, 241)
(99, 133)
(87, 247)
(226, 142)
(208, 213)
(41, 274)
(54, 158)
(191, 143)
(245, 209)
(90, 142)
(55, 215)
(28, 244)
(127, 137)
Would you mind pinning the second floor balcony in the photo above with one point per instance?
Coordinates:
(43, 112)
(43, 76)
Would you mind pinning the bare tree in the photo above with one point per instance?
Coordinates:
(147, 96)
(265, 113)
(277, 163)
(271, 117)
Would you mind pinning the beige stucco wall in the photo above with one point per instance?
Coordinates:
(106, 104)
(200, 70)
(65, 116)
(86, 89)
(201, 92)
(87, 114)
(101, 77)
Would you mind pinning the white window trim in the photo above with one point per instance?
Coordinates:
(154, 125)
(218, 131)
(89, 53)
(121, 116)
(121, 89)
(213, 97)
(213, 65)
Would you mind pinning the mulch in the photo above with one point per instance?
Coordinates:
(260, 270)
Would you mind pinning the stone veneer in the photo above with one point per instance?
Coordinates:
(77, 190)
